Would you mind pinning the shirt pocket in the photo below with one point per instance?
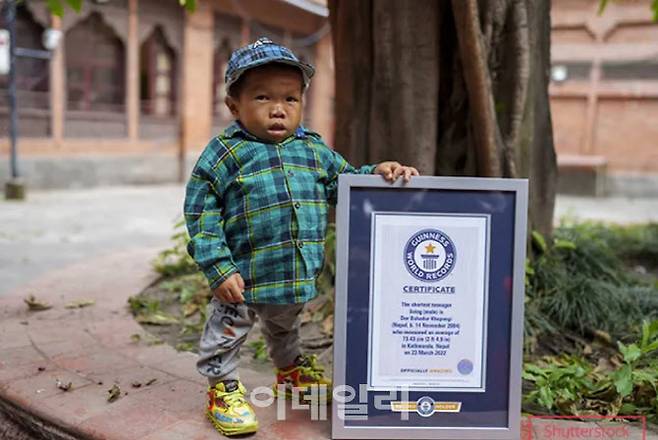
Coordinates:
(262, 189)
(309, 185)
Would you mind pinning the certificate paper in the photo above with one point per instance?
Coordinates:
(429, 278)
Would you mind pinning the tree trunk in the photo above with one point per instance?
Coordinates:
(454, 88)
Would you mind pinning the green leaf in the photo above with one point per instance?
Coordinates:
(76, 5)
(628, 408)
(602, 5)
(653, 329)
(546, 397)
(645, 334)
(654, 7)
(190, 5)
(631, 352)
(56, 7)
(651, 347)
(565, 244)
(539, 241)
(623, 380)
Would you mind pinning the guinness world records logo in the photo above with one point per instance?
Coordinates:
(429, 255)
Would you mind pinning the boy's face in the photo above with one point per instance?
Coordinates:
(269, 102)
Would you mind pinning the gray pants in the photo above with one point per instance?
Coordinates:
(226, 330)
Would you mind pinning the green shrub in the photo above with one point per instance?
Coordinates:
(573, 385)
(580, 283)
(176, 260)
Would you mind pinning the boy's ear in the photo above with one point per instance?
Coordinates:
(232, 105)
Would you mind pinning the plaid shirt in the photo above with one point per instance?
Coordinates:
(260, 209)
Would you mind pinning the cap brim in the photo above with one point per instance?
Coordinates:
(307, 70)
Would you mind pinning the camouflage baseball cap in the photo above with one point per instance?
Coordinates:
(263, 51)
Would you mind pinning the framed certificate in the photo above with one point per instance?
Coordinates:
(429, 308)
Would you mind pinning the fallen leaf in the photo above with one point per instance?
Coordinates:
(185, 346)
(190, 309)
(135, 338)
(114, 393)
(78, 304)
(63, 386)
(150, 382)
(153, 340)
(157, 318)
(328, 325)
(35, 304)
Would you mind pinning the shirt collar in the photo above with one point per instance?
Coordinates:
(237, 129)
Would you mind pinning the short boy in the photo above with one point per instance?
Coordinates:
(256, 212)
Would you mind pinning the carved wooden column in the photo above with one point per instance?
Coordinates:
(132, 73)
(197, 96)
(323, 85)
(57, 88)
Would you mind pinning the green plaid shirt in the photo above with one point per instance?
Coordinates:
(260, 209)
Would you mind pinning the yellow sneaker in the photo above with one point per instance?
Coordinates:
(228, 410)
(301, 377)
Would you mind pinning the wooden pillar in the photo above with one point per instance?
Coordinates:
(323, 88)
(57, 88)
(197, 80)
(245, 32)
(132, 73)
(287, 38)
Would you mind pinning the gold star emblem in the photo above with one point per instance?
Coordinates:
(429, 248)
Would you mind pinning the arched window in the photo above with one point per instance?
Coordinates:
(158, 75)
(32, 74)
(95, 67)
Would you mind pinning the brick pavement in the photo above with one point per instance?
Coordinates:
(92, 348)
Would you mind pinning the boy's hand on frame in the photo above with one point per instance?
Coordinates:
(392, 170)
(230, 291)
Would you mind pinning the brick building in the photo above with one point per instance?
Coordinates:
(604, 96)
(136, 85)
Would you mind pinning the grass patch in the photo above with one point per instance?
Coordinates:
(591, 316)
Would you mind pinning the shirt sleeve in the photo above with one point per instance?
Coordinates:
(335, 164)
(205, 225)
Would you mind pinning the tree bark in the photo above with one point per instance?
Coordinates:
(454, 88)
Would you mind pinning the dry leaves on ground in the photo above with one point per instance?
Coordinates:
(35, 305)
(78, 304)
(63, 386)
(113, 393)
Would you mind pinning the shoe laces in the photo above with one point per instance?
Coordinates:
(310, 366)
(235, 397)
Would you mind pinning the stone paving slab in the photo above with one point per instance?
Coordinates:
(92, 348)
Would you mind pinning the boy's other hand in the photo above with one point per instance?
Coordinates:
(230, 291)
(392, 170)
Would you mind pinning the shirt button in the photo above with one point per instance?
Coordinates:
(300, 244)
(297, 205)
